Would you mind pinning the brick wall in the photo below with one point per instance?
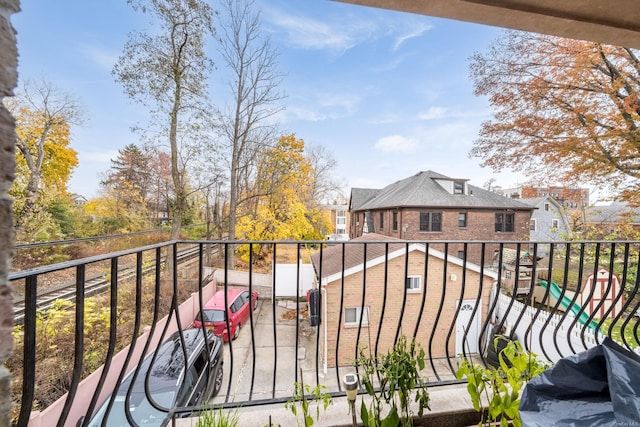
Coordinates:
(8, 77)
(480, 227)
(375, 295)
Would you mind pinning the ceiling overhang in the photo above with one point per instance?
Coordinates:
(604, 21)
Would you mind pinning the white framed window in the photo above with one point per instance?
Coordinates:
(413, 284)
(555, 223)
(462, 219)
(547, 207)
(352, 316)
(532, 225)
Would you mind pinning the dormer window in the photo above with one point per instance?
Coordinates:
(458, 187)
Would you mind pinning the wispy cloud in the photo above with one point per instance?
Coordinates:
(396, 143)
(307, 114)
(310, 33)
(414, 31)
(340, 33)
(99, 56)
(387, 118)
(433, 113)
(324, 106)
(344, 101)
(97, 156)
(456, 135)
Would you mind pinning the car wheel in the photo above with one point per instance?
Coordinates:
(217, 381)
(237, 331)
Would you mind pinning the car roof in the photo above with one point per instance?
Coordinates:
(217, 300)
(167, 369)
(169, 363)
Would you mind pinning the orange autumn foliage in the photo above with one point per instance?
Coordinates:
(563, 110)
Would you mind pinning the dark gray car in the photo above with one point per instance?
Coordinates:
(171, 382)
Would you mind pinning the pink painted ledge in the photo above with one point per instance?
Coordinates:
(187, 312)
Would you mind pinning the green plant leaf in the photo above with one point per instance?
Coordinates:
(308, 421)
(392, 419)
(364, 414)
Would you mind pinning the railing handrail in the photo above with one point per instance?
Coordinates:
(450, 290)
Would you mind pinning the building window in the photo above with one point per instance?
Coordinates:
(505, 222)
(413, 284)
(458, 187)
(381, 220)
(507, 275)
(532, 225)
(462, 219)
(461, 254)
(352, 316)
(395, 221)
(430, 221)
(555, 223)
(546, 207)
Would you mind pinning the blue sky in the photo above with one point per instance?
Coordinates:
(387, 92)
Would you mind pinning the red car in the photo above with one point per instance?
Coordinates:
(237, 312)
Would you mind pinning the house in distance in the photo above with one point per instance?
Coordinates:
(429, 206)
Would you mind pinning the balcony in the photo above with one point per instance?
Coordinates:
(71, 355)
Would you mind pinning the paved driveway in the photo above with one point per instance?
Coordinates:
(255, 364)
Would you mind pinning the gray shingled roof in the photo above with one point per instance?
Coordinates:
(360, 196)
(422, 190)
(612, 214)
(535, 201)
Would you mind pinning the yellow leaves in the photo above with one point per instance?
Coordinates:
(286, 209)
(43, 149)
(100, 207)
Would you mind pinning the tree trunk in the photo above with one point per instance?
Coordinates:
(31, 198)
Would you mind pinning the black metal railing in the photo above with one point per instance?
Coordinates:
(451, 297)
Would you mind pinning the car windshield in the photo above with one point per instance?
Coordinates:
(213, 315)
(142, 412)
(163, 383)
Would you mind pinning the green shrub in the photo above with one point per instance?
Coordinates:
(501, 386)
(304, 396)
(218, 418)
(398, 374)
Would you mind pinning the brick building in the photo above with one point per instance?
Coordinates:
(569, 198)
(429, 206)
(431, 297)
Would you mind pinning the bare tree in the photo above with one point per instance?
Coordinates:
(325, 184)
(247, 125)
(168, 73)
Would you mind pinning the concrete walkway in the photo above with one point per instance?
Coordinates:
(256, 369)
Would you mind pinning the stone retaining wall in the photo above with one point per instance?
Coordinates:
(8, 81)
